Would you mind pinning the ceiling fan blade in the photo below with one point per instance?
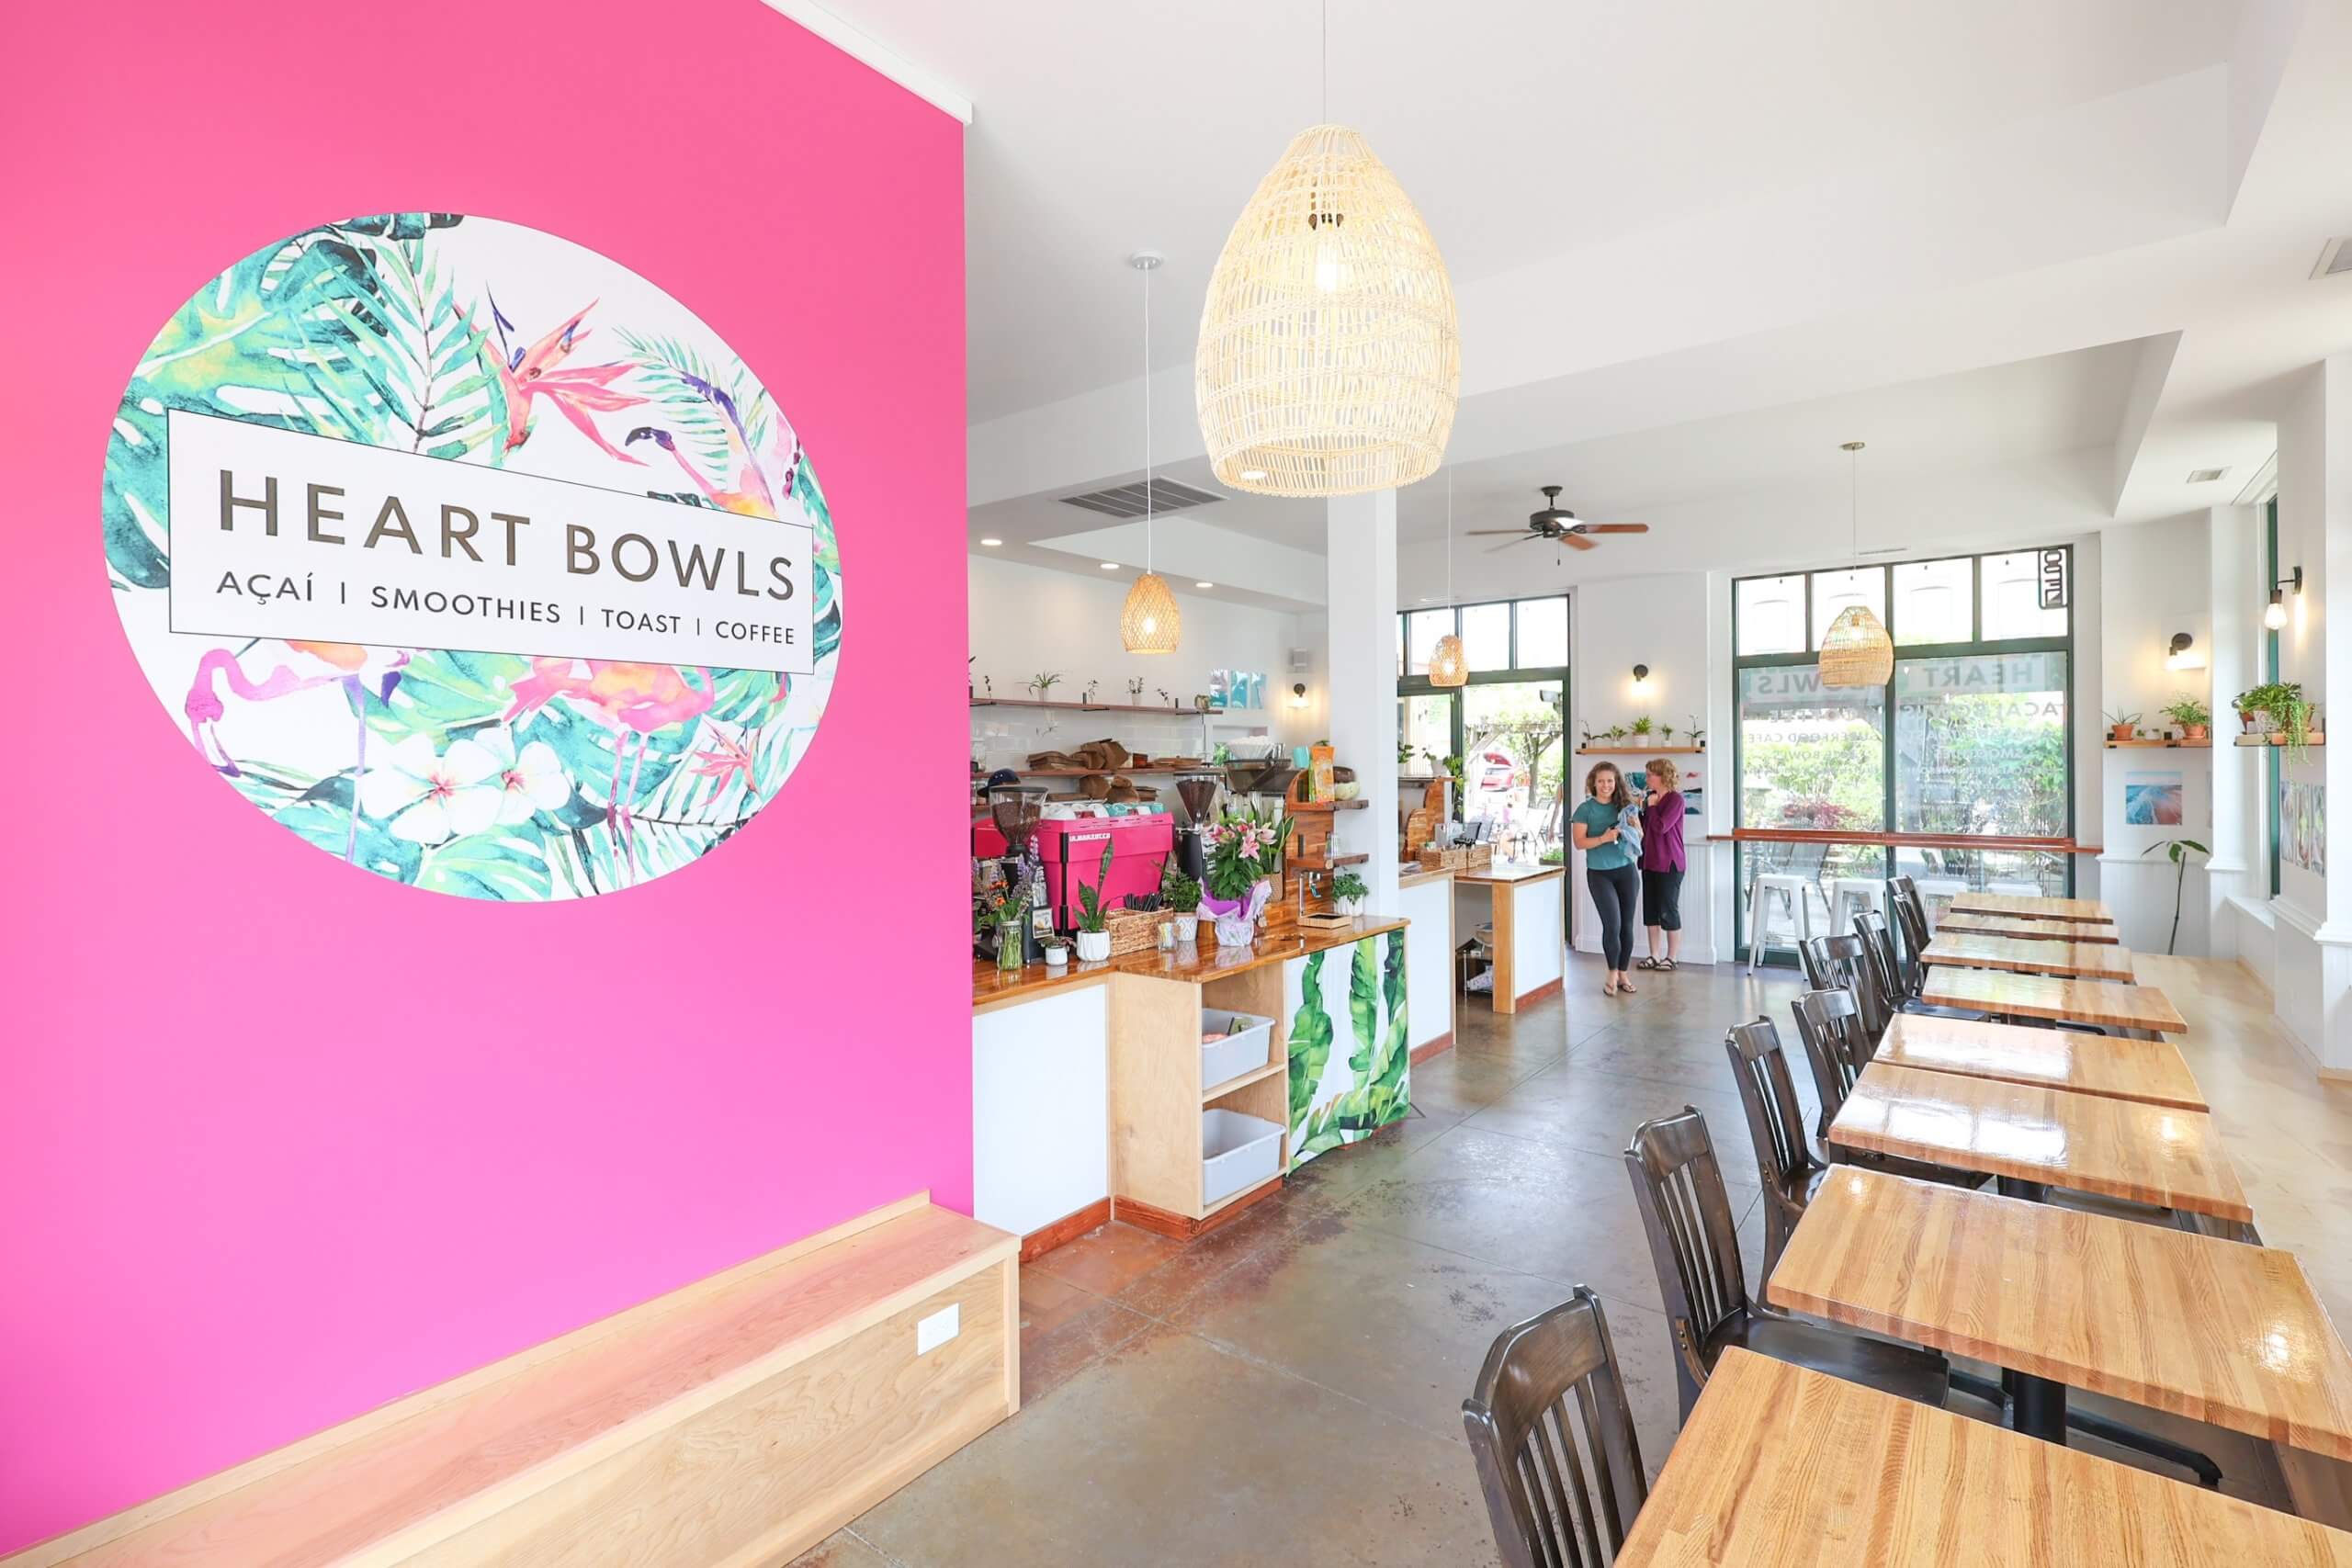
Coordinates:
(1579, 542)
(1523, 539)
(1616, 527)
(1489, 532)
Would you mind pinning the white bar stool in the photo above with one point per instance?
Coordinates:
(1936, 894)
(1789, 889)
(1847, 897)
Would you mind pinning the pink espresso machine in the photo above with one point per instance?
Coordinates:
(1072, 852)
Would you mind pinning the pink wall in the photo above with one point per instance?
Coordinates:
(279, 1141)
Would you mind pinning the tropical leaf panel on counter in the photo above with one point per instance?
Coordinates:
(472, 341)
(1336, 1099)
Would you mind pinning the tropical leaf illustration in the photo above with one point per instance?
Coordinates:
(1321, 1132)
(702, 405)
(1364, 1004)
(1310, 1043)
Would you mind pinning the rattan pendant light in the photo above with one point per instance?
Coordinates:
(1447, 665)
(1150, 622)
(1329, 360)
(1856, 650)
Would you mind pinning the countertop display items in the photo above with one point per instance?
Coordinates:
(1244, 848)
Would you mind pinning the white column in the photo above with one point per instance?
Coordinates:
(2329, 682)
(2233, 539)
(1360, 572)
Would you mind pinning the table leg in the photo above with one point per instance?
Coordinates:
(2031, 1191)
(2038, 1407)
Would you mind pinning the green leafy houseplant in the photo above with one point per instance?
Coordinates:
(2178, 850)
(2122, 724)
(1244, 848)
(1643, 726)
(2192, 716)
(1177, 891)
(1348, 888)
(1044, 682)
(1091, 915)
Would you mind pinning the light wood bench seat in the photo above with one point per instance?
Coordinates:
(735, 1421)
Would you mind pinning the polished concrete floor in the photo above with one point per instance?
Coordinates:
(1288, 1389)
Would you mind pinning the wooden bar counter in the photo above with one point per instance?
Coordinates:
(1088, 1095)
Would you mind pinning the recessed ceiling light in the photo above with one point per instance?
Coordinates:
(2205, 476)
(1205, 585)
(1110, 566)
(992, 543)
(1254, 475)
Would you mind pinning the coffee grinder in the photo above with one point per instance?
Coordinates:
(1016, 809)
(1197, 790)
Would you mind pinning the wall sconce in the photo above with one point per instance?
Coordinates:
(2274, 615)
(2177, 654)
(1298, 694)
(1641, 673)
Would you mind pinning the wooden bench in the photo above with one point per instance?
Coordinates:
(736, 1421)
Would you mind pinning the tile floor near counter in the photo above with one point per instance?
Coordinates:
(1288, 1389)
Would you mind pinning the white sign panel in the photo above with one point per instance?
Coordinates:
(277, 533)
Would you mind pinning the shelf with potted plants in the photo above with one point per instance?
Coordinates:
(1644, 738)
(2276, 714)
(2191, 718)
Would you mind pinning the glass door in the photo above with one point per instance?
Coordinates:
(1513, 761)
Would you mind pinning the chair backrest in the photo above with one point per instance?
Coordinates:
(1807, 860)
(1883, 966)
(1841, 963)
(1911, 918)
(1695, 1241)
(1836, 1046)
(1767, 1093)
(1551, 1434)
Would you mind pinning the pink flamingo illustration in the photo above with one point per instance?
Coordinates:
(627, 699)
(749, 490)
(539, 371)
(347, 662)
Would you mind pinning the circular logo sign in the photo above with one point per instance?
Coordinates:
(472, 558)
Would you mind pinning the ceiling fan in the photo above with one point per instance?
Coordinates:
(1559, 525)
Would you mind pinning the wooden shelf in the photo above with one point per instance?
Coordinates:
(1106, 773)
(1641, 750)
(1254, 1075)
(2266, 741)
(1331, 863)
(1106, 707)
(2163, 745)
(1356, 805)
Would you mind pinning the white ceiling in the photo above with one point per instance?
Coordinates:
(2045, 258)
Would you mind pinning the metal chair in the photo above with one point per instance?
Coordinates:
(1785, 1162)
(1793, 883)
(1552, 1435)
(1695, 1246)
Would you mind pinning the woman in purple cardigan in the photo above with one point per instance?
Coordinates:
(1662, 863)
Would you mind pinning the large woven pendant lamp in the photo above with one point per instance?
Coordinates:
(1329, 360)
(1448, 667)
(1856, 650)
(1149, 623)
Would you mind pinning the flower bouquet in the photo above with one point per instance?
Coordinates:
(1244, 850)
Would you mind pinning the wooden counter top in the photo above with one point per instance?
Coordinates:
(1413, 874)
(1503, 874)
(993, 987)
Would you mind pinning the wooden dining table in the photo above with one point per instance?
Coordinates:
(2218, 1331)
(2078, 960)
(2028, 930)
(2151, 1071)
(2033, 907)
(1779, 1465)
(2033, 1138)
(2099, 1002)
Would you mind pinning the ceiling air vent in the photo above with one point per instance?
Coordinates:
(1127, 501)
(2205, 476)
(2334, 257)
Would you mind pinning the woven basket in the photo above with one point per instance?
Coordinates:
(1133, 931)
(1481, 856)
(1435, 858)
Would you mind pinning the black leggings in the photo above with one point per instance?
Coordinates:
(1615, 892)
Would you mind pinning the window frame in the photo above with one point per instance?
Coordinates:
(1977, 646)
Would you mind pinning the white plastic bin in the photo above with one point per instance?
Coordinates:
(1238, 1150)
(1244, 1047)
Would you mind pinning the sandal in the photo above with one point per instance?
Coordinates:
(1649, 964)
(1627, 987)
(1665, 964)
(1609, 986)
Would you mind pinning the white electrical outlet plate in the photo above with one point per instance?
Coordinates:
(938, 1329)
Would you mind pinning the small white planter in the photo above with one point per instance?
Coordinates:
(1352, 907)
(1093, 946)
(1056, 957)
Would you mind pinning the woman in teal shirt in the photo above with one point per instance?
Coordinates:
(1594, 828)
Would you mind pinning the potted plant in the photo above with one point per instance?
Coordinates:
(2122, 726)
(2178, 850)
(1182, 896)
(2248, 705)
(1642, 726)
(1348, 890)
(1006, 919)
(1043, 682)
(1057, 951)
(1244, 848)
(1665, 733)
(1093, 919)
(1697, 736)
(2193, 717)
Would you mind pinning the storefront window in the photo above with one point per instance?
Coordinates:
(1422, 629)
(2012, 593)
(1770, 614)
(1513, 752)
(1934, 601)
(1835, 592)
(1486, 635)
(1810, 757)
(1981, 745)
(1542, 634)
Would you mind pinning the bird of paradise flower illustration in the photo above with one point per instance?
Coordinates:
(540, 371)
